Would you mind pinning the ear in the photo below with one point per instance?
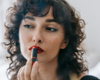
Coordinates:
(64, 44)
(19, 41)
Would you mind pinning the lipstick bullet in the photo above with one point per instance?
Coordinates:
(34, 55)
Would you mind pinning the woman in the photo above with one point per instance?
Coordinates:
(56, 28)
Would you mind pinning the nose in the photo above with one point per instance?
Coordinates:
(37, 37)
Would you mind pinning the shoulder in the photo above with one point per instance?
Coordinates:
(82, 76)
(89, 77)
(74, 76)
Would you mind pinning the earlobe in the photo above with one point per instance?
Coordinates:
(19, 41)
(64, 45)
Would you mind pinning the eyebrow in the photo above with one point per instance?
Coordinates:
(32, 18)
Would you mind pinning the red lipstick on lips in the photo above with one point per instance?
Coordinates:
(35, 50)
(40, 50)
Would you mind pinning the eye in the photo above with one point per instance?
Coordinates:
(28, 26)
(51, 29)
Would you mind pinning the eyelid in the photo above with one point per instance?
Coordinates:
(54, 30)
(51, 29)
(53, 25)
(26, 25)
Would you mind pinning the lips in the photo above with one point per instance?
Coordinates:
(40, 50)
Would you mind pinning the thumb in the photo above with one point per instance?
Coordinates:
(34, 72)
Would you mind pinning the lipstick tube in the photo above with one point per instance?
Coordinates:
(34, 55)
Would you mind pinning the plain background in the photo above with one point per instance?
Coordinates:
(89, 11)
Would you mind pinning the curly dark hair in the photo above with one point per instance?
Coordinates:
(70, 59)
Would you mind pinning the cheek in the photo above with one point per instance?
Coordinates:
(54, 43)
(52, 47)
(24, 39)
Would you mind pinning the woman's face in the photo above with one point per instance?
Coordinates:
(50, 34)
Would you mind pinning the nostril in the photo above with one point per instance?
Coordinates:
(39, 40)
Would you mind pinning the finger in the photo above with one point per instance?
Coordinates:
(22, 73)
(34, 72)
(28, 69)
(18, 75)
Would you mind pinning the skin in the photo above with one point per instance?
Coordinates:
(41, 33)
(51, 35)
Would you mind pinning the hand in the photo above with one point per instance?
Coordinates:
(28, 72)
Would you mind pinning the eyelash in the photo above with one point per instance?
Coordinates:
(48, 28)
(27, 26)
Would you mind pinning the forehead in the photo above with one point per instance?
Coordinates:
(47, 18)
(49, 15)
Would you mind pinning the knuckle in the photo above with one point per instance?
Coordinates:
(20, 69)
(28, 62)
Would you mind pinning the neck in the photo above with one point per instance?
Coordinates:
(47, 71)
